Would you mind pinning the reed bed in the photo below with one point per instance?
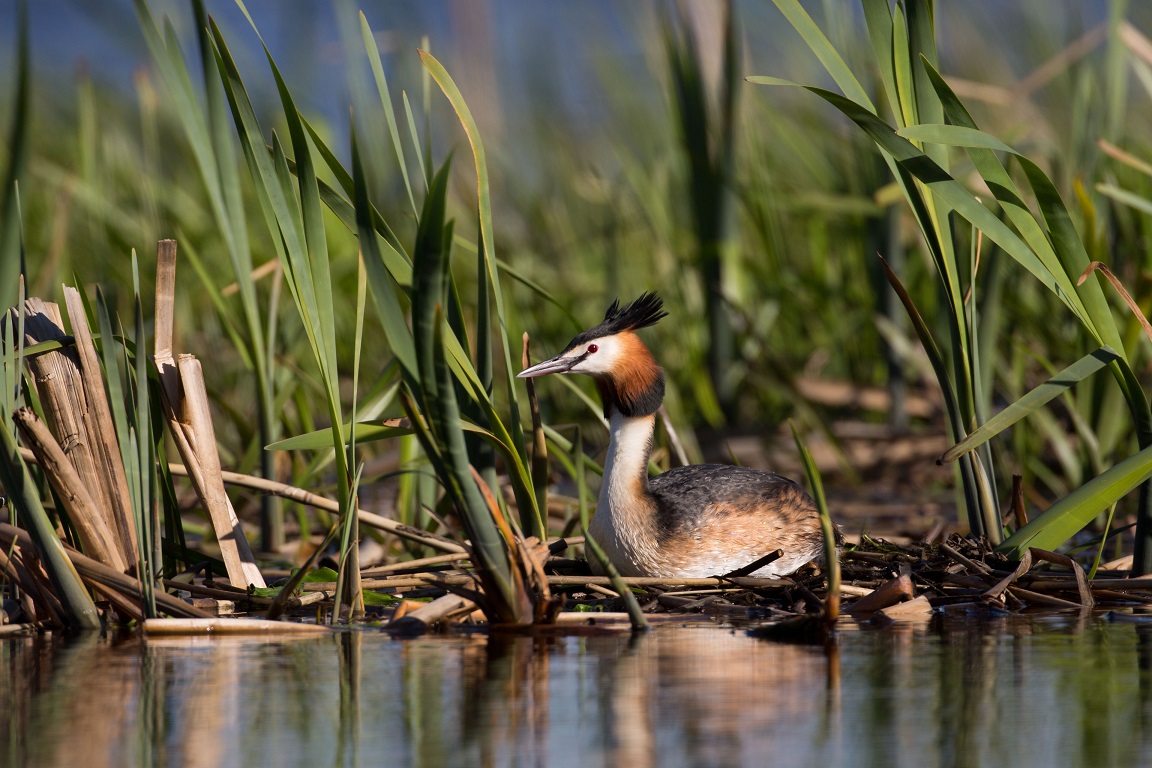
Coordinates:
(342, 374)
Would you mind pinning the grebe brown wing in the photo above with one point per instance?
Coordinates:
(712, 519)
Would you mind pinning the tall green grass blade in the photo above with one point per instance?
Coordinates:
(444, 438)
(878, 18)
(12, 264)
(1037, 398)
(382, 281)
(415, 137)
(1130, 199)
(206, 126)
(1060, 249)
(144, 466)
(394, 254)
(975, 494)
(825, 51)
(386, 100)
(953, 136)
(1068, 516)
(487, 234)
(831, 556)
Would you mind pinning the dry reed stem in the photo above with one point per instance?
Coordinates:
(64, 399)
(408, 565)
(114, 480)
(99, 541)
(1001, 587)
(121, 602)
(234, 549)
(1120, 289)
(301, 496)
(209, 488)
(165, 314)
(215, 626)
(32, 590)
(189, 417)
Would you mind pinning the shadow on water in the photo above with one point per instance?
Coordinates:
(1052, 690)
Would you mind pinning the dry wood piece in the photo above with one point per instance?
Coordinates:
(920, 608)
(440, 609)
(897, 590)
(1081, 580)
(1021, 568)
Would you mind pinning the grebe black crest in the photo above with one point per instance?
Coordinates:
(695, 521)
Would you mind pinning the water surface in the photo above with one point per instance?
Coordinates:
(1064, 690)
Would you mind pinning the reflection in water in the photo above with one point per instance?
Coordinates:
(1048, 691)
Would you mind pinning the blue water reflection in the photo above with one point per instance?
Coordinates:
(1045, 692)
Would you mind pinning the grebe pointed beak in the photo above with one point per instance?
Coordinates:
(555, 365)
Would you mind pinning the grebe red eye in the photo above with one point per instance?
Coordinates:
(592, 348)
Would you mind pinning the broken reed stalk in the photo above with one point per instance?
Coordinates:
(64, 398)
(234, 547)
(185, 405)
(113, 479)
(98, 540)
(186, 410)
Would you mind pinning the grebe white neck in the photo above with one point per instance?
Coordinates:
(624, 522)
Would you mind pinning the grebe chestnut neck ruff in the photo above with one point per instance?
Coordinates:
(696, 521)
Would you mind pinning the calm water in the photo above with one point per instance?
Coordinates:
(1022, 692)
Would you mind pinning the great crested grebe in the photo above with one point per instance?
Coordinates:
(695, 521)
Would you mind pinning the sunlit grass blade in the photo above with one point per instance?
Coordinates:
(386, 102)
(383, 283)
(1037, 398)
(1068, 516)
(825, 51)
(146, 503)
(976, 494)
(487, 233)
(827, 528)
(395, 257)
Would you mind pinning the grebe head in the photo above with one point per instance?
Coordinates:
(626, 374)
